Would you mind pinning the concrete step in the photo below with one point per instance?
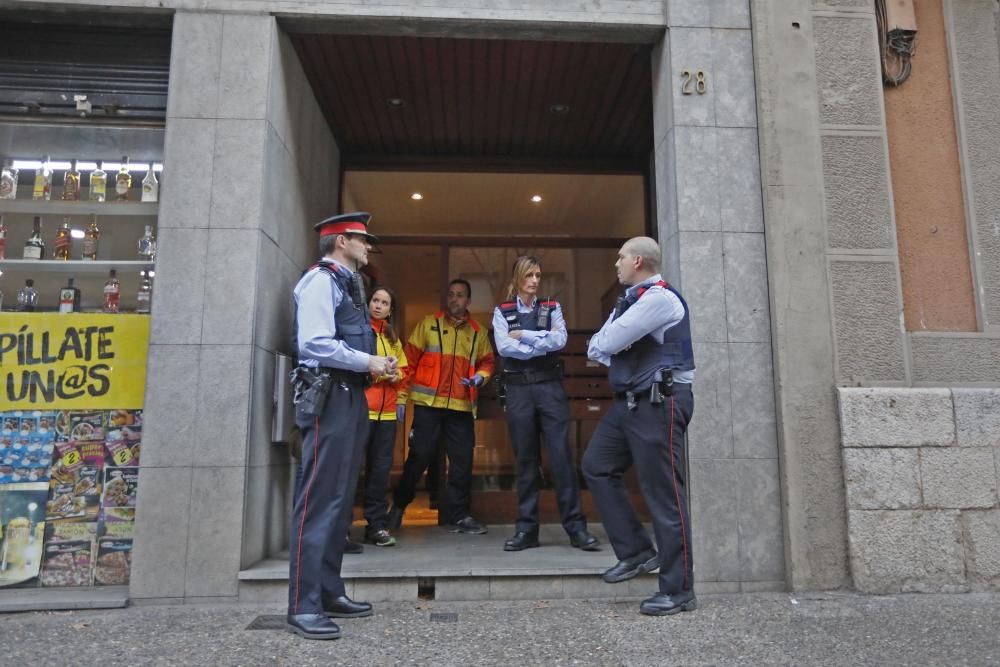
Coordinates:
(61, 599)
(430, 563)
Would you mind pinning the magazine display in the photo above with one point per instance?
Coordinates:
(68, 482)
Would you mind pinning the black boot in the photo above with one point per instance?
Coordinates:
(313, 626)
(584, 540)
(352, 547)
(345, 607)
(521, 541)
(647, 561)
(666, 604)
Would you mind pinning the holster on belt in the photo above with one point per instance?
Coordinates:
(311, 389)
(662, 386)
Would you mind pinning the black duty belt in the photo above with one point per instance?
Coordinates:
(533, 377)
(624, 395)
(341, 375)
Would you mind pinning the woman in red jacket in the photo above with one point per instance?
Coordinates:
(385, 409)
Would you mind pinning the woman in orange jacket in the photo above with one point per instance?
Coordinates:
(386, 408)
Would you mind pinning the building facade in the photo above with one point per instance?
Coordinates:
(846, 430)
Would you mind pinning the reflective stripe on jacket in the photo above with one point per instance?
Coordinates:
(441, 352)
(383, 395)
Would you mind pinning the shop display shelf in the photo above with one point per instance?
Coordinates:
(56, 207)
(74, 266)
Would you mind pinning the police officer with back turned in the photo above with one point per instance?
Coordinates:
(336, 355)
(647, 344)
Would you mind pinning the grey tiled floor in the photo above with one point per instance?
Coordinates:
(431, 551)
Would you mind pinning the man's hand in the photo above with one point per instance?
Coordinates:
(516, 335)
(476, 380)
(382, 365)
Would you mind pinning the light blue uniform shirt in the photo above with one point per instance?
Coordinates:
(657, 310)
(532, 343)
(316, 298)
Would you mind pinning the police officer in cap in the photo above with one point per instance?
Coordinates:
(529, 332)
(336, 357)
(647, 344)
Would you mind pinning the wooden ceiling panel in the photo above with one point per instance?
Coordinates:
(482, 102)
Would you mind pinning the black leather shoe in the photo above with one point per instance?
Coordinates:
(345, 607)
(352, 547)
(395, 518)
(521, 541)
(313, 626)
(666, 604)
(647, 561)
(584, 540)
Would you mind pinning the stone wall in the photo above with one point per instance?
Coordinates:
(711, 228)
(812, 490)
(253, 167)
(299, 167)
(921, 471)
(409, 16)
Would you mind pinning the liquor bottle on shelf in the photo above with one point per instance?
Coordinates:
(147, 245)
(71, 183)
(3, 238)
(69, 298)
(34, 247)
(150, 186)
(27, 297)
(8, 180)
(43, 181)
(91, 237)
(98, 183)
(123, 181)
(64, 241)
(144, 296)
(112, 292)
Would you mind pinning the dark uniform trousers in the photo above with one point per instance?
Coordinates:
(378, 464)
(542, 406)
(651, 437)
(332, 447)
(459, 440)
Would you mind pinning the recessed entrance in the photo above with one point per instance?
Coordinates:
(470, 152)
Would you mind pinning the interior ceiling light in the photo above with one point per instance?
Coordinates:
(559, 109)
(396, 102)
(417, 196)
(536, 198)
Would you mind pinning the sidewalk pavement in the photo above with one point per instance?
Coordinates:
(740, 629)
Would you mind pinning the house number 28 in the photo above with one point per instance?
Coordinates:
(693, 82)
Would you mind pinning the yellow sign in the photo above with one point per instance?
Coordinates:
(72, 361)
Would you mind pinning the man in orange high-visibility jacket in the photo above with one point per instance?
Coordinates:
(450, 357)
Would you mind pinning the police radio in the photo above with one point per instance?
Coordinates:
(621, 305)
(544, 313)
(358, 290)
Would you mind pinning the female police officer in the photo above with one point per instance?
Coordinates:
(528, 334)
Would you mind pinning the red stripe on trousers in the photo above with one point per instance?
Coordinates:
(677, 494)
(302, 524)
